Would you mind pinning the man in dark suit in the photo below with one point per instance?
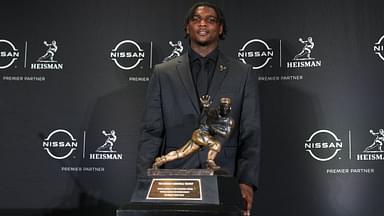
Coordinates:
(173, 111)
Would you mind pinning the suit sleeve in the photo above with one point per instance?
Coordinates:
(248, 160)
(152, 129)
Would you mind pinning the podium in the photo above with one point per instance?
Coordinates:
(184, 192)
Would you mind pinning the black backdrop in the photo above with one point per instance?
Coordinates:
(317, 113)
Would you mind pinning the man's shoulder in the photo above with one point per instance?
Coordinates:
(165, 66)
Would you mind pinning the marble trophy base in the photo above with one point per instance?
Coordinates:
(184, 192)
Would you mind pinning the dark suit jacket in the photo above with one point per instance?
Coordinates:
(172, 114)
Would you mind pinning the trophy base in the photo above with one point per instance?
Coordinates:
(171, 192)
(187, 186)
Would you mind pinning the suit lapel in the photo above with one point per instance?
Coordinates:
(185, 75)
(221, 71)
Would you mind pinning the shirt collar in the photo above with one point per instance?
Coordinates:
(193, 56)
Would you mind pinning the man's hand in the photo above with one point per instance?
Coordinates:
(247, 194)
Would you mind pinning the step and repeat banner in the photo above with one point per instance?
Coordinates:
(73, 77)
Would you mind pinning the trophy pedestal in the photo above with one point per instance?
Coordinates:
(184, 192)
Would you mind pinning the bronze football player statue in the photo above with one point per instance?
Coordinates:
(216, 124)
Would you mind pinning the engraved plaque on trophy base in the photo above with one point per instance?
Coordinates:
(201, 189)
(184, 192)
(174, 189)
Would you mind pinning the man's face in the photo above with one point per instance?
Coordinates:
(204, 28)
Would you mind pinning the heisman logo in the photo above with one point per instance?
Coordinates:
(177, 50)
(373, 152)
(377, 145)
(60, 144)
(51, 51)
(305, 53)
(108, 144)
(256, 53)
(323, 145)
(46, 61)
(303, 58)
(105, 151)
(8, 54)
(127, 54)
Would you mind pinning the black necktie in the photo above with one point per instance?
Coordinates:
(202, 78)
